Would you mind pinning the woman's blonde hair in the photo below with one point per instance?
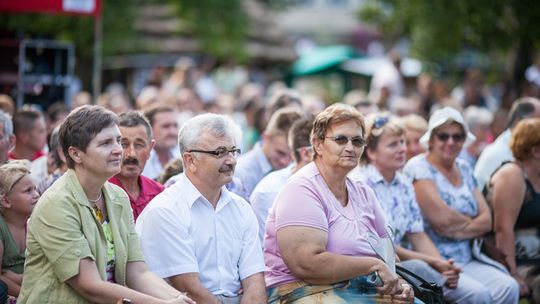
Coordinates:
(415, 122)
(11, 173)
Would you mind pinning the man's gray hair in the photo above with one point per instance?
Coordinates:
(216, 124)
(5, 120)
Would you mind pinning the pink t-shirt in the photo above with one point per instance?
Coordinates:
(306, 200)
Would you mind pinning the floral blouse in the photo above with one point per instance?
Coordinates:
(397, 199)
(460, 198)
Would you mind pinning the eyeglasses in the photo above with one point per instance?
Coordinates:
(342, 140)
(456, 137)
(220, 152)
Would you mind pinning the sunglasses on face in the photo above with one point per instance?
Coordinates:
(220, 152)
(456, 137)
(342, 140)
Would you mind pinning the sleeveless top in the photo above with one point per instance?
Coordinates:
(527, 227)
(13, 259)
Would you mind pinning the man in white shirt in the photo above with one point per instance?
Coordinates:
(197, 234)
(499, 151)
(267, 189)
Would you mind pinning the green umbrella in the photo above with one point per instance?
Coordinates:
(321, 59)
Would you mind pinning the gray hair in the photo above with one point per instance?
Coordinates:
(132, 119)
(477, 116)
(5, 120)
(216, 124)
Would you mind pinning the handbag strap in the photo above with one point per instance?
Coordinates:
(402, 270)
(428, 292)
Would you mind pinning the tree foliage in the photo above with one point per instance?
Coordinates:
(442, 27)
(438, 29)
(220, 26)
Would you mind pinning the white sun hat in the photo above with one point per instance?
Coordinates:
(442, 116)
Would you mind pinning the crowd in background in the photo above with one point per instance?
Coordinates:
(454, 172)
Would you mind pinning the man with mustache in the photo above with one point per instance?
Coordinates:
(197, 234)
(137, 143)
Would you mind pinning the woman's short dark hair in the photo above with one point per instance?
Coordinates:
(81, 126)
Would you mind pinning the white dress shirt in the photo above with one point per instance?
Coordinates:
(181, 232)
(153, 167)
(492, 158)
(265, 193)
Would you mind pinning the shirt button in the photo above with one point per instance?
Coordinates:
(77, 252)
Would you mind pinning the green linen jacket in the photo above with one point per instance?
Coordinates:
(63, 230)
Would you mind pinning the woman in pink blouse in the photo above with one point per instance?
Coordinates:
(316, 245)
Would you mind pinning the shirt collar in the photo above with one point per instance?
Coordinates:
(375, 176)
(192, 194)
(80, 196)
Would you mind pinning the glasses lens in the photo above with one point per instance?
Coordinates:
(443, 136)
(358, 141)
(458, 137)
(221, 152)
(341, 139)
(236, 152)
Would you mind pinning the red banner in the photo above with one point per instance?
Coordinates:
(70, 7)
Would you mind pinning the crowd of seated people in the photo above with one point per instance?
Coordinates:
(171, 204)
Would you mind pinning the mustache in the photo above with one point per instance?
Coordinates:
(130, 161)
(226, 168)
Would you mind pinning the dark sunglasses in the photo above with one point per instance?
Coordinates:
(220, 152)
(342, 140)
(456, 137)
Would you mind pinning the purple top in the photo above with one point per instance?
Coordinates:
(306, 200)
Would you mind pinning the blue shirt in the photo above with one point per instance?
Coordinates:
(397, 198)
(265, 193)
(250, 169)
(460, 198)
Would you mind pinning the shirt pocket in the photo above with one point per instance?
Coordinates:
(231, 248)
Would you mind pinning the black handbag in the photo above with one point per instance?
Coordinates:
(428, 292)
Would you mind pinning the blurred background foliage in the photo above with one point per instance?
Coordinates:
(503, 29)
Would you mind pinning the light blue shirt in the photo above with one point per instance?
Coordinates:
(265, 193)
(181, 232)
(397, 198)
(460, 198)
(250, 169)
(153, 167)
